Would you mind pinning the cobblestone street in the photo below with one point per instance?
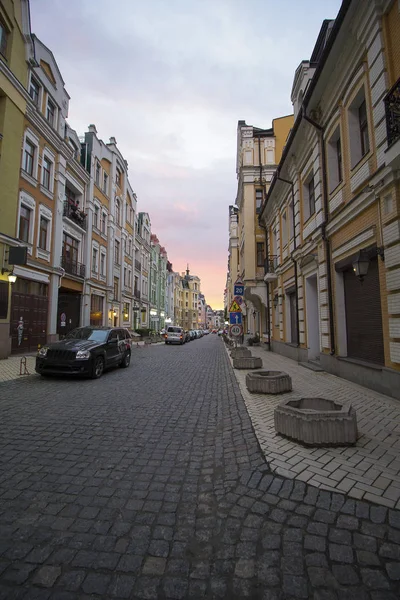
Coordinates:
(150, 483)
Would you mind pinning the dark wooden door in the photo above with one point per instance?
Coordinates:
(68, 312)
(364, 315)
(28, 325)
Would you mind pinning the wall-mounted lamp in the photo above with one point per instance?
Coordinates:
(361, 265)
(11, 277)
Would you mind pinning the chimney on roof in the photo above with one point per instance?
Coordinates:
(113, 140)
(92, 128)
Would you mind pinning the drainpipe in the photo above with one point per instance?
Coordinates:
(323, 228)
(266, 248)
(296, 285)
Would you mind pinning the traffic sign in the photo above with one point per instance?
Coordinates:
(235, 318)
(238, 300)
(236, 330)
(235, 307)
(238, 290)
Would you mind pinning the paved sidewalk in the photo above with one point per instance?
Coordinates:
(370, 470)
(10, 368)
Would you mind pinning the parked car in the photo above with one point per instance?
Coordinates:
(187, 336)
(175, 335)
(86, 351)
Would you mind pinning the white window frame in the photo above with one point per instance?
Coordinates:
(50, 100)
(44, 253)
(103, 212)
(97, 204)
(51, 158)
(95, 267)
(28, 202)
(40, 96)
(103, 252)
(103, 187)
(354, 134)
(284, 228)
(307, 214)
(32, 138)
(332, 160)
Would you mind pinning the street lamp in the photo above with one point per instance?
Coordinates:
(11, 277)
(360, 265)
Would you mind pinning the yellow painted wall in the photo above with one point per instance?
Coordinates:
(391, 28)
(281, 126)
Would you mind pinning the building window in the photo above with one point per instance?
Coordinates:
(70, 249)
(125, 278)
(29, 157)
(291, 219)
(97, 175)
(259, 200)
(118, 177)
(25, 215)
(116, 288)
(105, 183)
(51, 112)
(46, 172)
(116, 252)
(3, 39)
(96, 310)
(43, 233)
(284, 229)
(117, 212)
(102, 264)
(96, 214)
(358, 128)
(363, 123)
(260, 254)
(309, 197)
(334, 156)
(103, 222)
(95, 254)
(126, 311)
(34, 91)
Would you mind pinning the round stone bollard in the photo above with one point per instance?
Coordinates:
(269, 382)
(241, 352)
(247, 362)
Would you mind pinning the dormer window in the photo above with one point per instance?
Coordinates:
(51, 112)
(34, 91)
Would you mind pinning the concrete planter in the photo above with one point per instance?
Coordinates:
(252, 362)
(268, 382)
(317, 421)
(240, 353)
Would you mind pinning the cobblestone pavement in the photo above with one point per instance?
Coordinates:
(150, 483)
(370, 470)
(12, 368)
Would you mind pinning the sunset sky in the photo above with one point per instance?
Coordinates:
(170, 80)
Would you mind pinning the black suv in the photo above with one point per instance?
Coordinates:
(86, 351)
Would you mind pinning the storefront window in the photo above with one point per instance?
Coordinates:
(96, 310)
(126, 311)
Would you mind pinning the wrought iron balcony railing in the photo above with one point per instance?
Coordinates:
(392, 109)
(73, 212)
(73, 267)
(270, 264)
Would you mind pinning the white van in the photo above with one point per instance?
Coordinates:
(175, 335)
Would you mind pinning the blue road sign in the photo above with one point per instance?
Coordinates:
(238, 290)
(235, 318)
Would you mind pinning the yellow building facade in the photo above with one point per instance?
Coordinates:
(332, 212)
(258, 153)
(16, 53)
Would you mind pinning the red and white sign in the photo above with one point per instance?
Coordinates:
(236, 330)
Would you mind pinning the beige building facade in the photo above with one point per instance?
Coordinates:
(332, 213)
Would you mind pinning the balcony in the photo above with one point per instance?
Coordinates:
(270, 266)
(72, 267)
(392, 109)
(73, 212)
(138, 265)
